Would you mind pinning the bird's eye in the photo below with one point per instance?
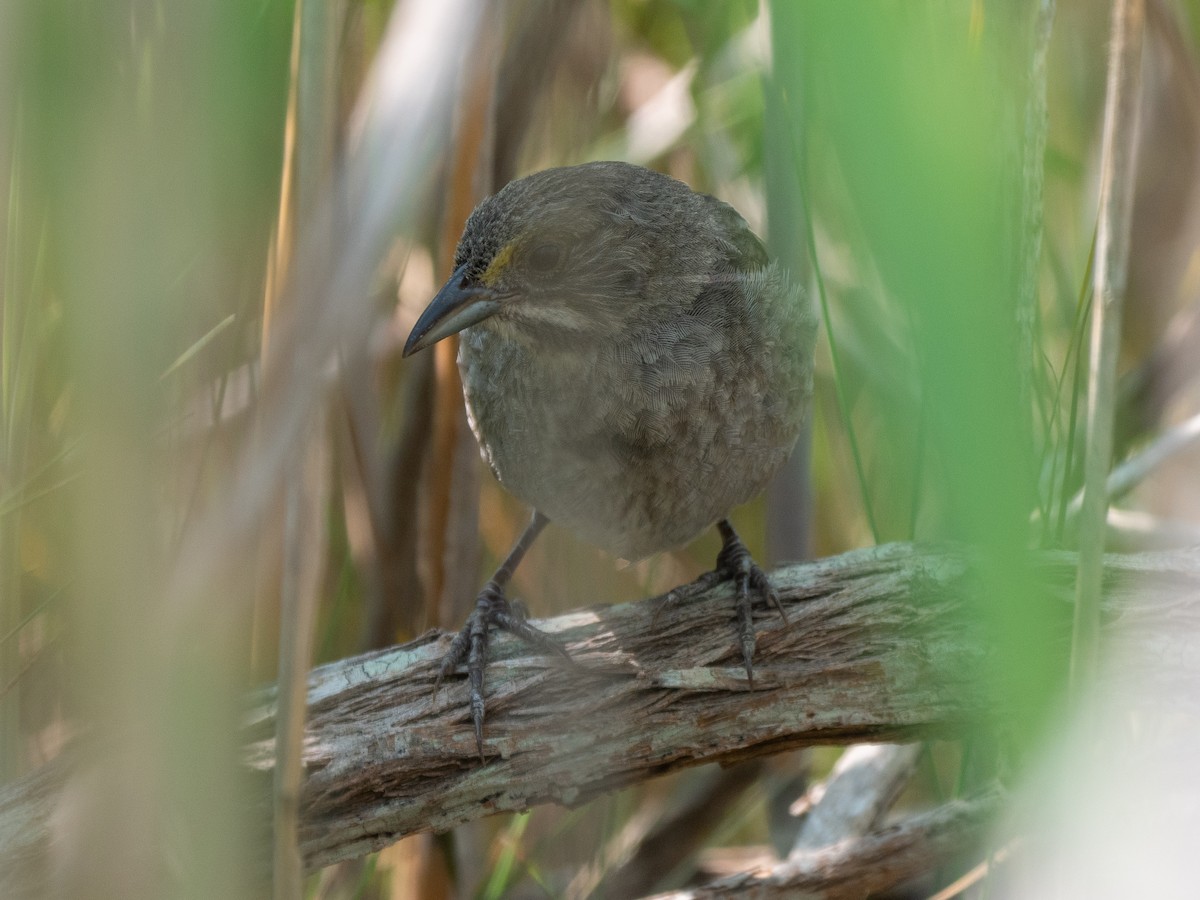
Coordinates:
(545, 257)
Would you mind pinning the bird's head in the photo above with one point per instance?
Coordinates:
(569, 255)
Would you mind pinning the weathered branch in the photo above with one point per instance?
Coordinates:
(861, 789)
(856, 867)
(882, 646)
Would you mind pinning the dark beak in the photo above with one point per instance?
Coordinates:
(457, 305)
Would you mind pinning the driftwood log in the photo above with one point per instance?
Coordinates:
(881, 646)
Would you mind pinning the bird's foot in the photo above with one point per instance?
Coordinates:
(470, 645)
(735, 563)
(689, 591)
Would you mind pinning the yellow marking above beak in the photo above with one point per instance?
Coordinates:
(497, 266)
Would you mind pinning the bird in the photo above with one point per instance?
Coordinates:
(634, 366)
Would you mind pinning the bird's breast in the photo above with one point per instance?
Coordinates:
(640, 443)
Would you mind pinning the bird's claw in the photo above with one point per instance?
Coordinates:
(470, 645)
(735, 563)
(689, 591)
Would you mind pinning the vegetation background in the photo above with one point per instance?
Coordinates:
(221, 219)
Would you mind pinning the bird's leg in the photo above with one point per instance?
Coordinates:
(493, 610)
(735, 563)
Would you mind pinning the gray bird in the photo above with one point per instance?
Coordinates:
(634, 367)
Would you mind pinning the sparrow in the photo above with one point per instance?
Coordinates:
(634, 367)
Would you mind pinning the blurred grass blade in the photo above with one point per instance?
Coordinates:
(1117, 169)
(937, 207)
(191, 352)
